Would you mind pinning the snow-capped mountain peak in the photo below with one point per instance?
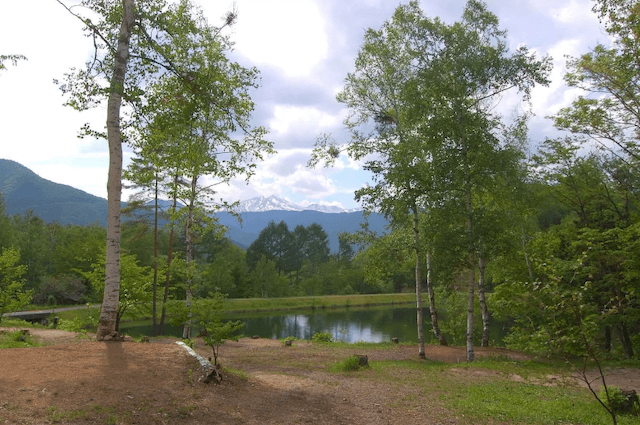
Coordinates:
(260, 204)
(273, 203)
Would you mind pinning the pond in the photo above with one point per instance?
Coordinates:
(368, 324)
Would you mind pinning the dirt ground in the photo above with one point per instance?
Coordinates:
(76, 380)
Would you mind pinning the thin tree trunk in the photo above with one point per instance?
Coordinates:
(486, 317)
(186, 332)
(470, 351)
(432, 304)
(526, 256)
(416, 233)
(154, 313)
(108, 311)
(472, 278)
(607, 339)
(169, 258)
(625, 339)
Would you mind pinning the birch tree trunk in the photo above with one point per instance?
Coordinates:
(432, 304)
(472, 278)
(154, 312)
(169, 259)
(109, 309)
(416, 233)
(188, 236)
(486, 318)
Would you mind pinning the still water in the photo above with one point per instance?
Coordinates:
(368, 324)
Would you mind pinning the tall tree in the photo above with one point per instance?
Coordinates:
(12, 294)
(383, 101)
(141, 36)
(421, 101)
(609, 113)
(276, 243)
(471, 69)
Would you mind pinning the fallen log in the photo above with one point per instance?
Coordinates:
(208, 372)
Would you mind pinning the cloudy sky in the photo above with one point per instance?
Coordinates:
(304, 50)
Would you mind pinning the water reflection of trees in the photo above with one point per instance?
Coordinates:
(350, 325)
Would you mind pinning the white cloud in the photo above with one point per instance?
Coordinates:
(548, 100)
(576, 12)
(307, 119)
(288, 34)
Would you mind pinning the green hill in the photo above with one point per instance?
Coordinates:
(52, 202)
(23, 189)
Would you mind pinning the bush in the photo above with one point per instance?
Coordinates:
(60, 290)
(77, 324)
(322, 337)
(620, 403)
(17, 339)
(347, 365)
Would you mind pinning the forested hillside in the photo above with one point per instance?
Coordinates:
(24, 190)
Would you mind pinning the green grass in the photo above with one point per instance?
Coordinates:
(17, 323)
(244, 305)
(532, 404)
(55, 416)
(322, 302)
(350, 364)
(14, 340)
(83, 314)
(236, 372)
(495, 398)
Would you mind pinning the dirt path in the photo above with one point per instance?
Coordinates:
(84, 382)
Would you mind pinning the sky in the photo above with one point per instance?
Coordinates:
(304, 49)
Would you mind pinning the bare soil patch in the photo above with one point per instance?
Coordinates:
(79, 381)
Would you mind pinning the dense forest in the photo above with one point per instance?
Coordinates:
(549, 241)
(64, 264)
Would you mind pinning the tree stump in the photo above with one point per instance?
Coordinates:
(632, 399)
(395, 340)
(362, 360)
(114, 336)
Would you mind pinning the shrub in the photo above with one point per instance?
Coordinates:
(322, 337)
(17, 339)
(620, 403)
(349, 364)
(60, 290)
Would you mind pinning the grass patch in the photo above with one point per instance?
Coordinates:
(17, 339)
(18, 323)
(54, 415)
(525, 369)
(367, 345)
(84, 315)
(312, 303)
(322, 337)
(531, 404)
(236, 372)
(350, 364)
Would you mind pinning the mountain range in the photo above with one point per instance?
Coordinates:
(273, 203)
(24, 190)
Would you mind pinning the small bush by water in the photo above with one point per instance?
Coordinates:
(349, 364)
(322, 337)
